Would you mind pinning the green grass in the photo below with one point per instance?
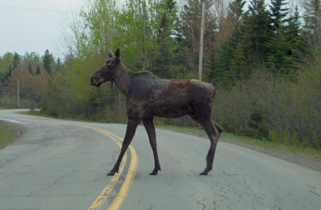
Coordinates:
(248, 140)
(7, 134)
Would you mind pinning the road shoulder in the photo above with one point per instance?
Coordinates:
(19, 130)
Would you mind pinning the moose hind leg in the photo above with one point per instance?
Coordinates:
(130, 132)
(213, 134)
(150, 129)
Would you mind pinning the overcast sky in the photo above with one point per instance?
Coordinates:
(33, 25)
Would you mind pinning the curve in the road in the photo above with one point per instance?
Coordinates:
(120, 197)
(118, 200)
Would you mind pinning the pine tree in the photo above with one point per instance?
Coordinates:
(16, 61)
(235, 11)
(9, 72)
(229, 57)
(58, 65)
(212, 71)
(38, 70)
(312, 18)
(164, 55)
(279, 44)
(30, 69)
(257, 34)
(278, 15)
(295, 39)
(47, 61)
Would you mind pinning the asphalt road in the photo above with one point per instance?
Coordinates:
(59, 164)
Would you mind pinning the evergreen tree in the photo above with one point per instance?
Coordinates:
(312, 18)
(38, 70)
(58, 65)
(9, 72)
(30, 69)
(235, 11)
(257, 34)
(294, 36)
(278, 15)
(164, 56)
(279, 55)
(16, 61)
(47, 61)
(229, 57)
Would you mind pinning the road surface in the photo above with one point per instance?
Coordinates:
(59, 164)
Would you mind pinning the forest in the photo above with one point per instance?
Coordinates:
(263, 59)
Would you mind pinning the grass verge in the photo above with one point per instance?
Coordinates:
(7, 134)
(248, 140)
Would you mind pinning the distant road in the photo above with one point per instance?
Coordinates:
(59, 164)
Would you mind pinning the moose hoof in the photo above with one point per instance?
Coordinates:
(205, 172)
(154, 173)
(111, 173)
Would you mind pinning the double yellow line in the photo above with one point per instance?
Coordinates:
(118, 200)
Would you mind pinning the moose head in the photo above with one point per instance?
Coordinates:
(107, 71)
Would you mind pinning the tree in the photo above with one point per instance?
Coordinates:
(47, 58)
(164, 55)
(30, 70)
(279, 55)
(16, 61)
(312, 19)
(294, 37)
(38, 70)
(257, 34)
(278, 15)
(190, 25)
(58, 65)
(212, 70)
(236, 13)
(232, 50)
(138, 23)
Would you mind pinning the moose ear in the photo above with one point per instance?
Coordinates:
(110, 53)
(117, 53)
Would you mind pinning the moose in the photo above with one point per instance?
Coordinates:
(148, 96)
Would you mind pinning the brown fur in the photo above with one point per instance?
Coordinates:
(148, 96)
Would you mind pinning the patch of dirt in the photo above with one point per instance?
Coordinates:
(297, 158)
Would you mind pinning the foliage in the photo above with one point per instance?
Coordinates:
(270, 107)
(264, 61)
(312, 19)
(14, 69)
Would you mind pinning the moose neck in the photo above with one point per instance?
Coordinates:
(122, 78)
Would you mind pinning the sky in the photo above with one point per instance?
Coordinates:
(34, 25)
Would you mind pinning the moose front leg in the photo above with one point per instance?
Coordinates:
(130, 132)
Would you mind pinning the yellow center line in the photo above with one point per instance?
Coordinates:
(118, 200)
(113, 181)
(120, 197)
